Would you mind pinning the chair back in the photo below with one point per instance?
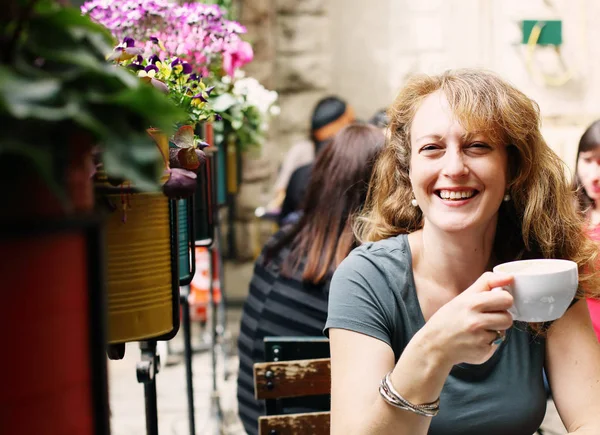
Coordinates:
(295, 383)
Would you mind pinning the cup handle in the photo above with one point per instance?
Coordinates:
(512, 310)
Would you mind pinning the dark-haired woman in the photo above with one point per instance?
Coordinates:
(330, 115)
(289, 289)
(587, 179)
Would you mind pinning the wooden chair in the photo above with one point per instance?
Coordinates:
(287, 385)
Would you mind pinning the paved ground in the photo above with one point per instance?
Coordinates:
(127, 395)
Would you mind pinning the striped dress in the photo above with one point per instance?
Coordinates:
(275, 306)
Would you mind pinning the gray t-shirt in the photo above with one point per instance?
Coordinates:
(373, 293)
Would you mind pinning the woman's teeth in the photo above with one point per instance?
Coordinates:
(450, 194)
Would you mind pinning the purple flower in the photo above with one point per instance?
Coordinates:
(153, 59)
(187, 68)
(218, 117)
(151, 68)
(154, 39)
(135, 66)
(200, 97)
(209, 90)
(129, 42)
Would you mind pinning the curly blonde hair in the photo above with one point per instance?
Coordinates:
(540, 221)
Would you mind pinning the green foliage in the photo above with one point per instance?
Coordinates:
(55, 83)
(246, 108)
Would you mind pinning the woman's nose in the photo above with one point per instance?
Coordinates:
(454, 165)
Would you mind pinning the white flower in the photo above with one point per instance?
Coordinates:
(255, 94)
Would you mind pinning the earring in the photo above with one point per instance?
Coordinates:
(506, 197)
(414, 202)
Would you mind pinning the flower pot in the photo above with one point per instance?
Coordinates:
(50, 325)
(45, 321)
(139, 269)
(139, 259)
(203, 205)
(187, 265)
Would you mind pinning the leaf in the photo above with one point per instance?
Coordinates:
(15, 89)
(184, 137)
(188, 159)
(136, 159)
(69, 17)
(150, 103)
(159, 138)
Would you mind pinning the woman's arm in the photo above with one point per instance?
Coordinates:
(358, 363)
(573, 368)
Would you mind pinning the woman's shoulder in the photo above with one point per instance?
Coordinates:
(381, 257)
(395, 247)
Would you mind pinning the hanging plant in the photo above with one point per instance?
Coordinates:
(55, 83)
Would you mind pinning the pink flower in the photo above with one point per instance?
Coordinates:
(238, 54)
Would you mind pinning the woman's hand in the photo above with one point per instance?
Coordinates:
(464, 329)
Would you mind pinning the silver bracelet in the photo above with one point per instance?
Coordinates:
(392, 397)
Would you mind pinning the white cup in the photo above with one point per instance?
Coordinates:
(542, 289)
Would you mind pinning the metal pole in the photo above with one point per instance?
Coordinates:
(215, 399)
(187, 347)
(222, 307)
(147, 369)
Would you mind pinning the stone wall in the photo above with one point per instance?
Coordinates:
(292, 56)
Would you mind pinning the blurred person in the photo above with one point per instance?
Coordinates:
(419, 344)
(587, 181)
(329, 116)
(380, 119)
(288, 291)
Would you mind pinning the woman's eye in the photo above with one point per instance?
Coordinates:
(478, 148)
(479, 145)
(431, 147)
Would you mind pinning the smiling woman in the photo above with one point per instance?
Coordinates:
(466, 182)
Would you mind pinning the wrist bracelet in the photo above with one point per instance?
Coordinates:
(392, 397)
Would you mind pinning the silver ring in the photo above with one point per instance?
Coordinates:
(500, 337)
